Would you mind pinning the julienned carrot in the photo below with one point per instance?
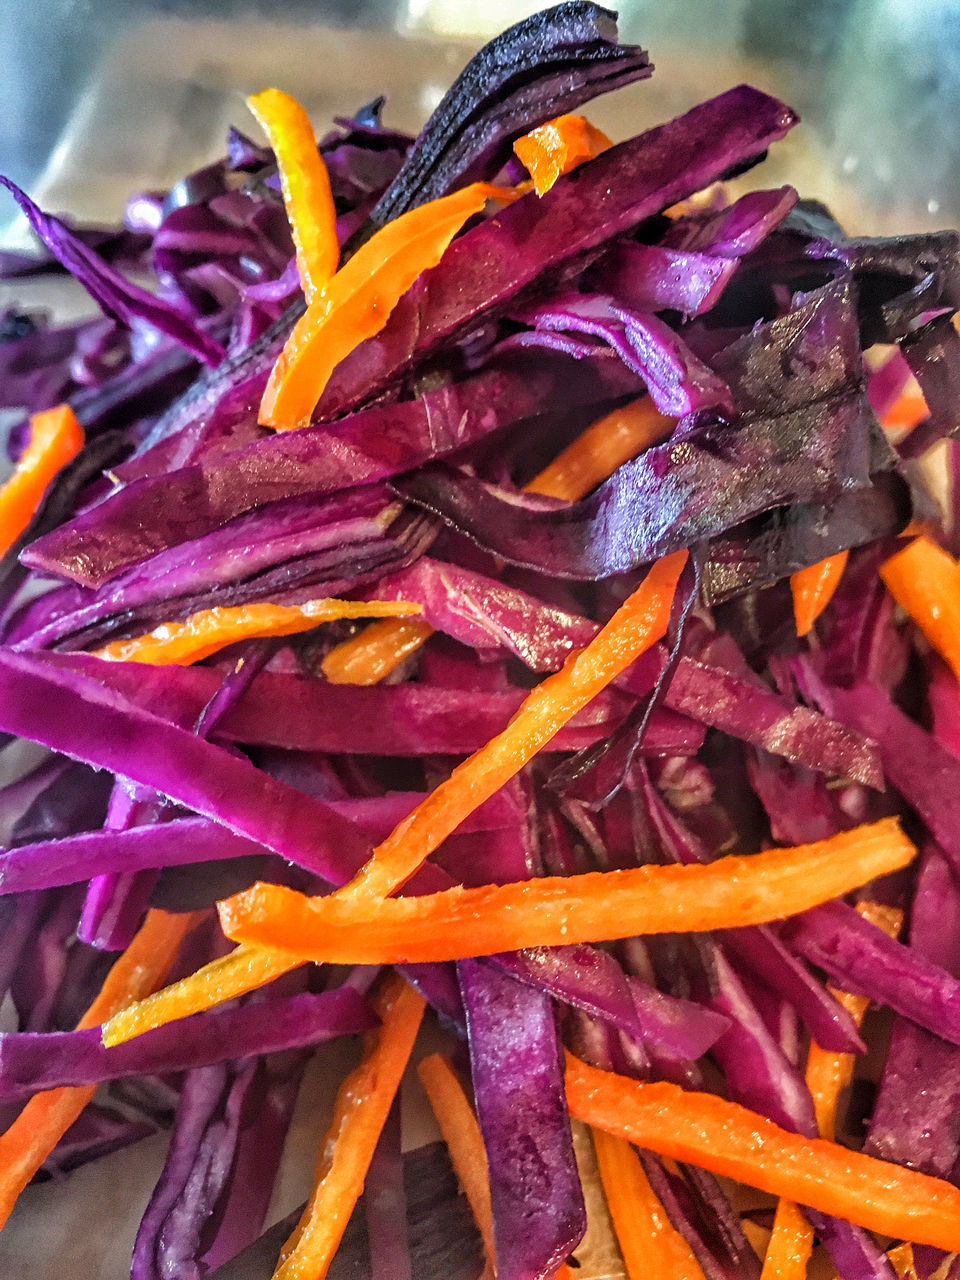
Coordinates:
(305, 184)
(732, 1141)
(371, 655)
(557, 147)
(55, 439)
(48, 1115)
(461, 1133)
(639, 623)
(360, 1112)
(909, 409)
(203, 633)
(827, 1075)
(244, 969)
(925, 580)
(596, 907)
(652, 1247)
(356, 303)
(813, 589)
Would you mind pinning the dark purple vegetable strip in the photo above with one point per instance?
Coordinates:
(854, 1252)
(657, 278)
(538, 1210)
(933, 354)
(385, 1206)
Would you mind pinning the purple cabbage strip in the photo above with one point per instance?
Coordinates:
(854, 1252)
(654, 277)
(933, 355)
(538, 1210)
(385, 1206)
(32, 1061)
(735, 230)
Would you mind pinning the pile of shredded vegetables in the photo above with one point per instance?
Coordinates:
(488, 586)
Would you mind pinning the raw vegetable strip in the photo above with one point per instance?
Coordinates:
(550, 911)
(730, 1140)
(652, 1248)
(360, 1112)
(813, 589)
(557, 147)
(55, 439)
(371, 655)
(305, 184)
(204, 632)
(639, 623)
(47, 1116)
(925, 581)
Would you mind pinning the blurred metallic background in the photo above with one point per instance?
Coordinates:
(99, 97)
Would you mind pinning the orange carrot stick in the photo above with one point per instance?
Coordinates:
(557, 147)
(461, 1133)
(925, 581)
(909, 409)
(813, 589)
(48, 1115)
(598, 906)
(305, 184)
(639, 622)
(371, 655)
(652, 1247)
(790, 1245)
(359, 1114)
(356, 303)
(204, 632)
(734, 1142)
(55, 439)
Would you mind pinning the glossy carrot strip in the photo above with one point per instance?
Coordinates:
(557, 147)
(639, 623)
(732, 1141)
(203, 633)
(356, 303)
(596, 907)
(902, 1259)
(305, 184)
(55, 439)
(813, 589)
(371, 655)
(906, 412)
(461, 1133)
(790, 1246)
(652, 1247)
(360, 1112)
(48, 1115)
(925, 580)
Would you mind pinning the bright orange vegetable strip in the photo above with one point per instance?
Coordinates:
(461, 1133)
(813, 589)
(652, 1247)
(925, 580)
(639, 622)
(906, 412)
(790, 1246)
(359, 1114)
(305, 184)
(732, 1141)
(356, 303)
(55, 439)
(48, 1115)
(203, 633)
(903, 1264)
(598, 906)
(371, 655)
(557, 147)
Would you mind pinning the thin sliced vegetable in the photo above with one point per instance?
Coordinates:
(373, 653)
(557, 147)
(729, 1140)
(652, 1248)
(47, 1116)
(305, 184)
(360, 1112)
(595, 907)
(925, 580)
(790, 1245)
(813, 589)
(55, 439)
(204, 632)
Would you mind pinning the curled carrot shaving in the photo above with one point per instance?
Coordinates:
(813, 589)
(48, 1115)
(305, 184)
(639, 623)
(359, 1114)
(598, 906)
(461, 1133)
(925, 581)
(371, 655)
(732, 1141)
(558, 146)
(652, 1247)
(55, 439)
(203, 633)
(356, 303)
